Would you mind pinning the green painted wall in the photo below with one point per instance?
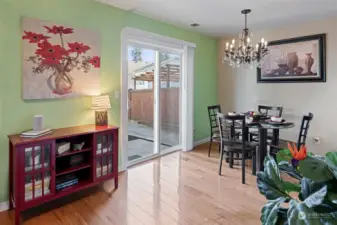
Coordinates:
(16, 114)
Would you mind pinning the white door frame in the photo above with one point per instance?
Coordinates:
(132, 36)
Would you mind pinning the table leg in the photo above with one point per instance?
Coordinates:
(246, 134)
(262, 148)
(276, 136)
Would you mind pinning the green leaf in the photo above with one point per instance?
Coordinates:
(308, 187)
(329, 218)
(272, 170)
(315, 169)
(287, 168)
(291, 187)
(332, 197)
(283, 155)
(316, 198)
(269, 212)
(331, 159)
(268, 188)
(300, 214)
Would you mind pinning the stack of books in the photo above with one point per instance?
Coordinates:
(35, 133)
(66, 181)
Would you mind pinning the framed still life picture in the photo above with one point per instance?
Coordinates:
(300, 59)
(59, 61)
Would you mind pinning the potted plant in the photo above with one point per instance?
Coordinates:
(301, 188)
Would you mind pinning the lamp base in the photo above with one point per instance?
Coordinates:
(101, 118)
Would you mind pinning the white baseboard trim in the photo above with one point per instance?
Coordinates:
(200, 142)
(4, 206)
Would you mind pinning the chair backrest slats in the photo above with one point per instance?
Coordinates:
(212, 113)
(270, 110)
(229, 124)
(304, 129)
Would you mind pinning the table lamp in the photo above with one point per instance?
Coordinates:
(101, 104)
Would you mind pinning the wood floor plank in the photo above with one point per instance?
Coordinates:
(176, 189)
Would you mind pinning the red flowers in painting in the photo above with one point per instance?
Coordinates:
(59, 30)
(78, 47)
(51, 54)
(95, 61)
(34, 37)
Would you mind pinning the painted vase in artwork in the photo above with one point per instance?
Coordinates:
(60, 83)
(309, 61)
(292, 61)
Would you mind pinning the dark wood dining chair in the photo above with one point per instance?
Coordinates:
(215, 135)
(302, 136)
(269, 111)
(232, 146)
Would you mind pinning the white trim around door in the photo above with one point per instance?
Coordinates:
(134, 37)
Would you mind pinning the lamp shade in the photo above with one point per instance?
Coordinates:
(100, 102)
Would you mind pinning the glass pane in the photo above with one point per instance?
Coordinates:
(170, 99)
(99, 145)
(40, 184)
(28, 188)
(28, 159)
(140, 102)
(109, 163)
(46, 183)
(105, 144)
(47, 155)
(98, 167)
(105, 165)
(37, 158)
(110, 141)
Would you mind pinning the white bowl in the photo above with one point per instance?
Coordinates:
(276, 119)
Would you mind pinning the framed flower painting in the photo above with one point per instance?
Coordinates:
(59, 61)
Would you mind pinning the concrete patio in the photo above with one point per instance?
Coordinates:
(141, 138)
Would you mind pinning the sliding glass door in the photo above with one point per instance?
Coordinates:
(154, 102)
(170, 100)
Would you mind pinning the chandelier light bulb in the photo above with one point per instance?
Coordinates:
(233, 41)
(265, 43)
(227, 44)
(262, 40)
(248, 40)
(257, 47)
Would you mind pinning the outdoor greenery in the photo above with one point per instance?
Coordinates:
(311, 196)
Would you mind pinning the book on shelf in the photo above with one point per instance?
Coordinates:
(35, 133)
(66, 184)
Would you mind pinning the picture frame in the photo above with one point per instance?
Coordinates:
(300, 59)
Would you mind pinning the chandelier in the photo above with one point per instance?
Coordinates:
(245, 54)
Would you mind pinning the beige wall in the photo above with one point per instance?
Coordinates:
(239, 91)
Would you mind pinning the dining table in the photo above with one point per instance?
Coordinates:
(263, 126)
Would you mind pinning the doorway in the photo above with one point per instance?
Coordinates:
(154, 86)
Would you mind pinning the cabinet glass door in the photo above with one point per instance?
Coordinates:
(104, 154)
(37, 171)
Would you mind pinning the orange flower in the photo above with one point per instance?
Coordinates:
(298, 154)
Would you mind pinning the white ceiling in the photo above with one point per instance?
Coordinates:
(223, 17)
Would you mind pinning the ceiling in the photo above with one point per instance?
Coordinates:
(223, 17)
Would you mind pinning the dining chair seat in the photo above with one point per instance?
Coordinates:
(233, 146)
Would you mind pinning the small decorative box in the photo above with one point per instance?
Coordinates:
(62, 147)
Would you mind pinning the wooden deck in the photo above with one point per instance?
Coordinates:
(179, 188)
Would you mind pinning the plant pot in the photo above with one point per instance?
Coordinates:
(60, 83)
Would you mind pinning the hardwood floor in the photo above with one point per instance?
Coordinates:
(177, 189)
